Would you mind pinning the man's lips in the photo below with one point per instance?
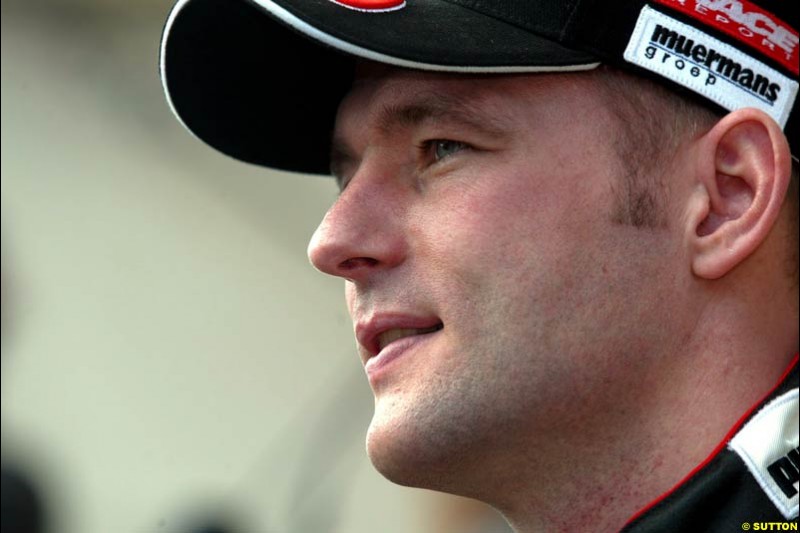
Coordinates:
(381, 330)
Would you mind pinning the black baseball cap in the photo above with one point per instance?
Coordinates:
(261, 80)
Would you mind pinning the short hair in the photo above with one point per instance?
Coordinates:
(652, 122)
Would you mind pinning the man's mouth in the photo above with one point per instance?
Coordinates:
(383, 329)
(391, 335)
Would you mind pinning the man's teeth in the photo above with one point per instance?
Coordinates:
(394, 334)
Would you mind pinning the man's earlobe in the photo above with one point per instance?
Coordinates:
(743, 166)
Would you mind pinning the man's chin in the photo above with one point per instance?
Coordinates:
(396, 457)
(404, 454)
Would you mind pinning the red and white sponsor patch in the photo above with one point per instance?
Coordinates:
(723, 73)
(372, 5)
(747, 23)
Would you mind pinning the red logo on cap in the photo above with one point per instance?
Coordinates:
(371, 5)
(747, 23)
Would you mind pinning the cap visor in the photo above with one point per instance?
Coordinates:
(261, 80)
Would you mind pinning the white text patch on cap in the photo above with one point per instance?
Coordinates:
(708, 66)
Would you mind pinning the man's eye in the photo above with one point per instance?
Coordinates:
(440, 149)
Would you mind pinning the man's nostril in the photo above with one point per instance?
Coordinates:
(356, 262)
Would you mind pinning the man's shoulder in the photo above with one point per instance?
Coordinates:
(750, 481)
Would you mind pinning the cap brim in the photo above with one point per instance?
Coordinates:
(261, 80)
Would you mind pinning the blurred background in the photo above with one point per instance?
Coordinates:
(171, 361)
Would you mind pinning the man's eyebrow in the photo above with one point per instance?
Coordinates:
(431, 107)
(434, 107)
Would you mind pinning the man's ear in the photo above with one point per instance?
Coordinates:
(742, 165)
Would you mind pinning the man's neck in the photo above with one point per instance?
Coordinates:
(623, 461)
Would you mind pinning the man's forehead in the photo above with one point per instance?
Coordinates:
(375, 84)
(384, 99)
(376, 87)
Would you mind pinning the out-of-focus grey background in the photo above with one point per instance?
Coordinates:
(173, 357)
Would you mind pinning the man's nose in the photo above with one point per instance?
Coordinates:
(360, 235)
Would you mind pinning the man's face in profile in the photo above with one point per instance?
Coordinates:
(496, 303)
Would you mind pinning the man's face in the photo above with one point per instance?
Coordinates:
(483, 267)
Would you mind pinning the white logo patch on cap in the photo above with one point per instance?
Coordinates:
(768, 446)
(708, 66)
